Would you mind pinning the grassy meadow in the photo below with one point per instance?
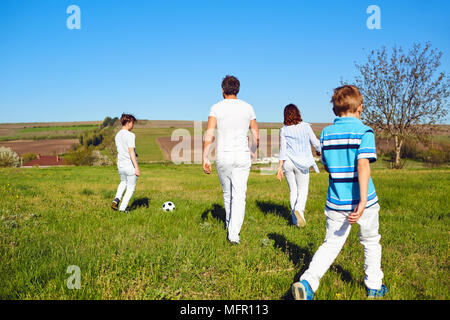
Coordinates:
(56, 217)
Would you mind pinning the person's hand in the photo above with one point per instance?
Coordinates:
(137, 172)
(318, 153)
(206, 166)
(357, 213)
(280, 174)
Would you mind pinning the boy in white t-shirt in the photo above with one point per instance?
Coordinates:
(126, 162)
(233, 118)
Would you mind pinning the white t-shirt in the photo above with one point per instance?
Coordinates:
(233, 121)
(124, 140)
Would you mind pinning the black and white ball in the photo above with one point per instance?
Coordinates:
(168, 206)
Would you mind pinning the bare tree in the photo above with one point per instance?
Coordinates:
(404, 95)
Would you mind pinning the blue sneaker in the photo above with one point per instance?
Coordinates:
(302, 290)
(372, 293)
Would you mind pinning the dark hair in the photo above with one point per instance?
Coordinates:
(125, 118)
(230, 85)
(346, 98)
(292, 115)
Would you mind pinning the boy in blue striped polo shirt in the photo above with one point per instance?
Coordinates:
(348, 148)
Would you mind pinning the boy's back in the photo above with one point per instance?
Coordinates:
(343, 144)
(124, 139)
(348, 147)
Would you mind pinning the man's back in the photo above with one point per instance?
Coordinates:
(233, 120)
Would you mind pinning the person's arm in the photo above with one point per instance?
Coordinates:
(280, 174)
(363, 180)
(314, 141)
(207, 141)
(282, 156)
(322, 156)
(255, 137)
(132, 153)
(366, 154)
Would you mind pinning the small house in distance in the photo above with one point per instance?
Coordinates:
(45, 161)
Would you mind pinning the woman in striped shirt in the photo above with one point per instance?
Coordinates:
(295, 159)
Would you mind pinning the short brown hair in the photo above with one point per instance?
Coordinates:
(125, 118)
(230, 85)
(292, 115)
(346, 99)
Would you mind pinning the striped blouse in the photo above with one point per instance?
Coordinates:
(295, 145)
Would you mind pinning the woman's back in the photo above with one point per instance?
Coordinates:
(295, 144)
(299, 138)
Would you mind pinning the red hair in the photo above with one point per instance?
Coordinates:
(292, 115)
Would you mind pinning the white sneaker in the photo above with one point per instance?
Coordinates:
(301, 222)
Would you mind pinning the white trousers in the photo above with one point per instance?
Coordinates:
(338, 229)
(233, 170)
(298, 182)
(127, 181)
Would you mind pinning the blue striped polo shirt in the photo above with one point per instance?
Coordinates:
(343, 143)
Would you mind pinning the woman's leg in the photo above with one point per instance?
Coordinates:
(302, 180)
(288, 169)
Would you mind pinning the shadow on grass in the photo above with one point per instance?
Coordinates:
(217, 212)
(273, 208)
(302, 257)
(139, 203)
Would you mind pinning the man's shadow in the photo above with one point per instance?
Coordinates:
(139, 203)
(217, 212)
(273, 208)
(301, 257)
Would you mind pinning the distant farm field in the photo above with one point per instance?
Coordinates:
(53, 218)
(48, 146)
(44, 131)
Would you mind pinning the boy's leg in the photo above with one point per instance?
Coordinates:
(131, 185)
(239, 178)
(122, 185)
(290, 178)
(338, 229)
(370, 239)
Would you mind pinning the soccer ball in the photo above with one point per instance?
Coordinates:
(168, 206)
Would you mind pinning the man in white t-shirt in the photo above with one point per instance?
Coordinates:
(233, 118)
(126, 162)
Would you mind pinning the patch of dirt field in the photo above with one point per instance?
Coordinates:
(43, 147)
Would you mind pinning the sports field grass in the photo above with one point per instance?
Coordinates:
(55, 217)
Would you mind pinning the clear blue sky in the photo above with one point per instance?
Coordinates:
(165, 59)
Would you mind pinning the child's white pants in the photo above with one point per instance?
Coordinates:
(298, 182)
(233, 169)
(127, 181)
(338, 229)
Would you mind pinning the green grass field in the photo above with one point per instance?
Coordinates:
(55, 217)
(85, 127)
(146, 145)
